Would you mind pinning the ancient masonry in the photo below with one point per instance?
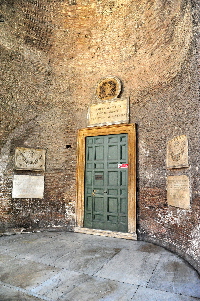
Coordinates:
(70, 67)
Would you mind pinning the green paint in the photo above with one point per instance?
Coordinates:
(106, 185)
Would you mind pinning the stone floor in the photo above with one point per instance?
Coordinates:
(67, 266)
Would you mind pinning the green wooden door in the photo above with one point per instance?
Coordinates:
(106, 183)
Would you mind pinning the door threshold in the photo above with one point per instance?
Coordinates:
(107, 233)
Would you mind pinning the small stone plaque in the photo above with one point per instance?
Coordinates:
(177, 152)
(25, 186)
(114, 112)
(178, 191)
(29, 159)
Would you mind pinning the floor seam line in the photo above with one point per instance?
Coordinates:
(107, 261)
(25, 291)
(153, 272)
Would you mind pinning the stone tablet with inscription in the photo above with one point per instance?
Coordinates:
(177, 152)
(178, 191)
(25, 186)
(29, 159)
(113, 112)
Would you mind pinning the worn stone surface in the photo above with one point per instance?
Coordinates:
(25, 186)
(106, 113)
(177, 152)
(178, 191)
(29, 159)
(145, 294)
(53, 53)
(74, 266)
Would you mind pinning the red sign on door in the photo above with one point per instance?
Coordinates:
(122, 165)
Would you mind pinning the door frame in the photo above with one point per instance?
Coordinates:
(129, 129)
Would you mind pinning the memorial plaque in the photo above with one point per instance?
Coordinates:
(29, 159)
(177, 152)
(25, 186)
(114, 112)
(178, 191)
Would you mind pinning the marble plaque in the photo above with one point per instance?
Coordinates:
(29, 159)
(177, 152)
(25, 186)
(178, 191)
(106, 113)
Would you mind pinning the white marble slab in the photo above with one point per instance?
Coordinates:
(25, 186)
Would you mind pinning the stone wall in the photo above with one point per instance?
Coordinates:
(53, 53)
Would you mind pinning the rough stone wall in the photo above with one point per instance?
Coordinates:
(53, 53)
(34, 115)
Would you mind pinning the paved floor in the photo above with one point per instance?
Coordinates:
(55, 266)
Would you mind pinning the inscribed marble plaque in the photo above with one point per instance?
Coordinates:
(29, 159)
(25, 186)
(106, 113)
(178, 191)
(177, 152)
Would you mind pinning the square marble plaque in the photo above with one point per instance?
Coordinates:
(177, 152)
(25, 186)
(178, 191)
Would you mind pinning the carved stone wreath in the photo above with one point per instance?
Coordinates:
(108, 88)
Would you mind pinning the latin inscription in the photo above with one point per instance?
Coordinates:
(25, 186)
(178, 192)
(108, 113)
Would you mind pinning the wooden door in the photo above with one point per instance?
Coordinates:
(106, 182)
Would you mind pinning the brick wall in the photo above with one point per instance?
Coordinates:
(53, 54)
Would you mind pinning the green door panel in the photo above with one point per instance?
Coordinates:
(106, 185)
